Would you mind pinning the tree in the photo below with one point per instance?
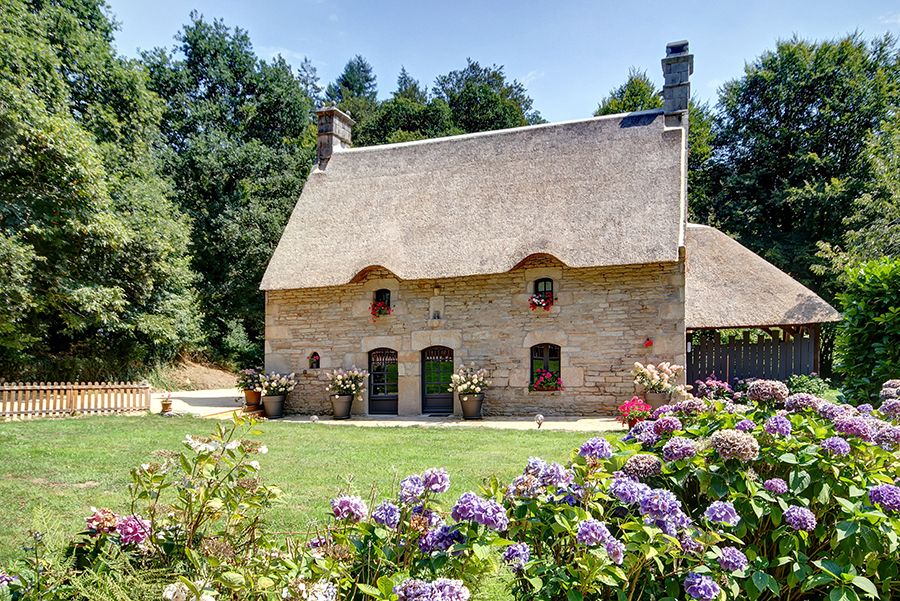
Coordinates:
(481, 99)
(791, 134)
(97, 282)
(240, 144)
(356, 80)
(409, 88)
(638, 93)
(308, 77)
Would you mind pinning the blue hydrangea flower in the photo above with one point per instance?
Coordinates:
(732, 560)
(800, 518)
(387, 514)
(592, 533)
(440, 539)
(596, 448)
(745, 425)
(722, 512)
(659, 504)
(516, 556)
(627, 490)
(701, 587)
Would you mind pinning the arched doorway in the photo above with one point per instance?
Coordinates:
(383, 384)
(437, 367)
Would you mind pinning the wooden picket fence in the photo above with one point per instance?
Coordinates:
(49, 399)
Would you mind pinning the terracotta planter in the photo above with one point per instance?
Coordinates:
(633, 421)
(471, 405)
(166, 406)
(657, 399)
(340, 405)
(251, 399)
(274, 406)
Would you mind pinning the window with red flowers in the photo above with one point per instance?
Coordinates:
(381, 303)
(545, 367)
(544, 287)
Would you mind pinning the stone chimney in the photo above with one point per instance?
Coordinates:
(334, 132)
(677, 69)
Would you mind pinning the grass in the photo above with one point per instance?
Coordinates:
(53, 471)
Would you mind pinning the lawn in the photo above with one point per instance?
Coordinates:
(53, 471)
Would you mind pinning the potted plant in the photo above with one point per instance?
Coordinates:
(249, 383)
(540, 300)
(380, 308)
(546, 381)
(343, 387)
(469, 384)
(166, 402)
(634, 411)
(656, 381)
(275, 387)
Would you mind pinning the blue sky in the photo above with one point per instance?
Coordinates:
(569, 54)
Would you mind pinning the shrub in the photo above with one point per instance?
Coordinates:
(746, 501)
(809, 384)
(867, 348)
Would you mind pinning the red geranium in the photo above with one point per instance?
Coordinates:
(635, 410)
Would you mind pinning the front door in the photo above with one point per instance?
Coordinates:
(383, 381)
(437, 367)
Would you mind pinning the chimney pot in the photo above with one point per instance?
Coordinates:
(677, 68)
(334, 132)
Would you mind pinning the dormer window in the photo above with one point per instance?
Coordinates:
(544, 287)
(314, 360)
(383, 296)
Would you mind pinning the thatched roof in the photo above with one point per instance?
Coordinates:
(729, 286)
(596, 192)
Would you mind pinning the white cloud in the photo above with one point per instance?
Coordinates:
(532, 75)
(890, 19)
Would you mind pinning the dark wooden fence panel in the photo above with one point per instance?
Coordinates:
(776, 355)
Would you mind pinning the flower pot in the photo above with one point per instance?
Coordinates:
(251, 399)
(471, 405)
(274, 406)
(340, 405)
(657, 399)
(166, 405)
(633, 421)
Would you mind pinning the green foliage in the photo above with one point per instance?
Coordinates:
(99, 282)
(810, 384)
(240, 143)
(789, 141)
(638, 93)
(868, 342)
(356, 80)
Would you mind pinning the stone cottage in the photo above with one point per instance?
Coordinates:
(459, 238)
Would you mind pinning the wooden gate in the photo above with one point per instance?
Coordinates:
(775, 354)
(47, 399)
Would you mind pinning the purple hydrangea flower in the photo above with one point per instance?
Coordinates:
(627, 490)
(436, 480)
(865, 408)
(524, 486)
(776, 486)
(440, 539)
(642, 466)
(348, 507)
(672, 523)
(853, 425)
(887, 438)
(662, 410)
(690, 406)
(745, 425)
(722, 512)
(387, 514)
(6, 579)
(487, 512)
(734, 444)
(466, 506)
(887, 496)
(449, 590)
(555, 475)
(412, 589)
(659, 504)
(767, 391)
(411, 489)
(592, 533)
(535, 466)
(701, 587)
(638, 429)
(616, 551)
(800, 401)
(667, 424)
(890, 407)
(679, 447)
(596, 448)
(133, 530)
(688, 544)
(732, 560)
(831, 411)
(516, 556)
(432, 518)
(836, 446)
(778, 425)
(647, 438)
(800, 518)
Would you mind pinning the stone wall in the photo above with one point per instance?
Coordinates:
(601, 319)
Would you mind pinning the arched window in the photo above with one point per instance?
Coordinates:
(544, 287)
(545, 367)
(383, 296)
(314, 360)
